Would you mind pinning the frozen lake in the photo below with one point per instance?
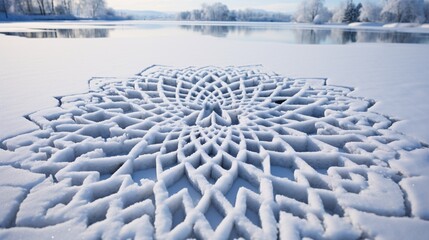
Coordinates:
(45, 59)
(264, 32)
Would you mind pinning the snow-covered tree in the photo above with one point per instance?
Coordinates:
(220, 12)
(196, 15)
(312, 11)
(185, 16)
(339, 12)
(370, 12)
(352, 12)
(403, 11)
(347, 12)
(215, 12)
(93, 8)
(209, 12)
(253, 15)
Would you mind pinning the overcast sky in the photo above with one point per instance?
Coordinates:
(180, 5)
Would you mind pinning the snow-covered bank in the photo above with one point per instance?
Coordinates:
(14, 18)
(29, 18)
(402, 27)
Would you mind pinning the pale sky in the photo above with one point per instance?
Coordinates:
(181, 5)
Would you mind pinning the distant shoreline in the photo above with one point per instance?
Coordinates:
(402, 27)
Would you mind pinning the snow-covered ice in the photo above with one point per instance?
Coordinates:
(395, 75)
(213, 153)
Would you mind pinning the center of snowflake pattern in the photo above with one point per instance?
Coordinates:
(212, 114)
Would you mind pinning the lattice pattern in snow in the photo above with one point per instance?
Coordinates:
(208, 153)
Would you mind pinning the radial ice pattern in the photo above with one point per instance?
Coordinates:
(207, 153)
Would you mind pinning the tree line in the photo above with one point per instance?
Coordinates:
(315, 11)
(220, 12)
(74, 8)
(388, 11)
(309, 11)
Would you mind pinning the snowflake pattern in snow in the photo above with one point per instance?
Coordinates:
(208, 153)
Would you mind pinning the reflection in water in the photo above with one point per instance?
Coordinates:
(341, 36)
(64, 33)
(403, 38)
(267, 33)
(220, 31)
(310, 36)
(349, 37)
(313, 36)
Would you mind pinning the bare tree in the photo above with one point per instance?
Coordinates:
(426, 11)
(52, 7)
(41, 6)
(5, 7)
(30, 6)
(67, 6)
(96, 7)
(78, 8)
(24, 6)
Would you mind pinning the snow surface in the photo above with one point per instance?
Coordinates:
(196, 152)
(337, 170)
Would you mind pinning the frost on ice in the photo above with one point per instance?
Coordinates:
(210, 153)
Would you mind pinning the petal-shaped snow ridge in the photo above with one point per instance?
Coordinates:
(207, 153)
